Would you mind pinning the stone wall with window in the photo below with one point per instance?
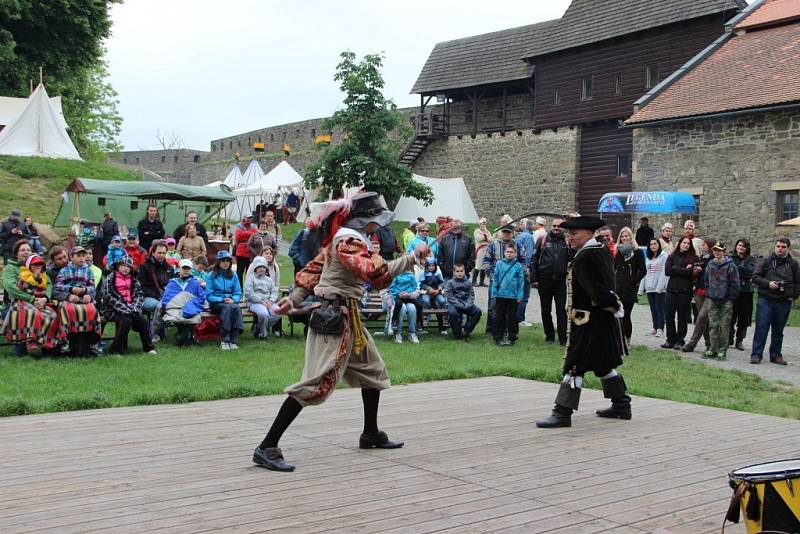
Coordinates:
(744, 172)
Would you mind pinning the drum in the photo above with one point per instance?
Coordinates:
(769, 496)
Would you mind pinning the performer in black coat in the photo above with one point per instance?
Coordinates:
(595, 339)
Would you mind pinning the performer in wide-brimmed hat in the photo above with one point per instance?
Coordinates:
(338, 345)
(595, 341)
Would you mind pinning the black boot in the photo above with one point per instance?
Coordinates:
(614, 388)
(567, 400)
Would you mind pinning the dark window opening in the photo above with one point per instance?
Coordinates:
(101, 201)
(271, 137)
(651, 76)
(617, 85)
(313, 133)
(468, 115)
(124, 160)
(208, 208)
(134, 205)
(213, 147)
(163, 159)
(175, 159)
(788, 205)
(230, 145)
(623, 166)
(137, 161)
(196, 158)
(587, 88)
(239, 143)
(557, 96)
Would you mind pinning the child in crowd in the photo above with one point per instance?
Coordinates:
(121, 300)
(133, 249)
(404, 293)
(431, 286)
(173, 256)
(200, 270)
(96, 271)
(183, 302)
(461, 302)
(115, 252)
(261, 295)
(722, 289)
(507, 290)
(85, 237)
(78, 315)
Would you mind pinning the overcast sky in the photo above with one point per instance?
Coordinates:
(207, 69)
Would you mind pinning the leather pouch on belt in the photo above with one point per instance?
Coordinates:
(327, 319)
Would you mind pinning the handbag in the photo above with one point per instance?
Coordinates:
(327, 319)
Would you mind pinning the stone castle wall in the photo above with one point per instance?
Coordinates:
(515, 173)
(734, 166)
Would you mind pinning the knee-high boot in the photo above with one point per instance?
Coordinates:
(567, 400)
(614, 388)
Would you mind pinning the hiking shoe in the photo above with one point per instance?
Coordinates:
(398, 339)
(443, 332)
(233, 346)
(722, 355)
(413, 338)
(755, 359)
(709, 354)
(668, 345)
(225, 345)
(687, 348)
(739, 345)
(659, 333)
(779, 360)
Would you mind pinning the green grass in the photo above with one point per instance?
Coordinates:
(35, 185)
(260, 368)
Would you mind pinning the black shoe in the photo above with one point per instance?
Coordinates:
(678, 346)
(668, 345)
(555, 420)
(378, 441)
(271, 458)
(755, 359)
(616, 411)
(466, 338)
(687, 348)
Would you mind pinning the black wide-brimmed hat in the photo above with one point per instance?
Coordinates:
(583, 222)
(367, 208)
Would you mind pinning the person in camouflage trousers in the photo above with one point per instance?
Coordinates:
(722, 286)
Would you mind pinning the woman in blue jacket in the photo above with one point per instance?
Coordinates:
(223, 293)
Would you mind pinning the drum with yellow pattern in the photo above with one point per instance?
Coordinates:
(768, 495)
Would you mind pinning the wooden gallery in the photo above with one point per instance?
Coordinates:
(534, 116)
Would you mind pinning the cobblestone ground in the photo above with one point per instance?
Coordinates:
(736, 359)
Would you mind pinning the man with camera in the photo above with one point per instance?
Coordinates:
(777, 278)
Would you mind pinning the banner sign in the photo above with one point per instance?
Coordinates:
(648, 202)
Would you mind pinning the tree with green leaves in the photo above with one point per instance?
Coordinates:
(64, 38)
(366, 155)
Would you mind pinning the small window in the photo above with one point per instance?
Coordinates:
(163, 159)
(101, 201)
(134, 205)
(137, 161)
(283, 137)
(271, 137)
(230, 145)
(175, 159)
(617, 85)
(239, 143)
(313, 133)
(788, 205)
(468, 115)
(587, 88)
(651, 76)
(196, 158)
(124, 160)
(557, 96)
(623, 166)
(297, 132)
(259, 138)
(213, 147)
(208, 208)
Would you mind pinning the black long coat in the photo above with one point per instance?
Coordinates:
(597, 344)
(628, 272)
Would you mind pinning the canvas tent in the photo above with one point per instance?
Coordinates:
(450, 198)
(234, 180)
(86, 199)
(11, 106)
(38, 130)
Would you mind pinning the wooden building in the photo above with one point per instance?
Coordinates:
(583, 71)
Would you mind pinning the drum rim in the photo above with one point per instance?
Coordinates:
(764, 477)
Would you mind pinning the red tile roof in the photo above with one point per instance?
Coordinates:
(759, 68)
(770, 12)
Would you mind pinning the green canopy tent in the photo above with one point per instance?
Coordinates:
(87, 199)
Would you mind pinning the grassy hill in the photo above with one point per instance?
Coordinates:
(35, 185)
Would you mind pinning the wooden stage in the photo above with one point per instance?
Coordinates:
(473, 462)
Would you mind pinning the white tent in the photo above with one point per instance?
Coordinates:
(11, 106)
(248, 191)
(450, 198)
(38, 130)
(234, 179)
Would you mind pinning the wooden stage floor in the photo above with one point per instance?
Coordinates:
(473, 462)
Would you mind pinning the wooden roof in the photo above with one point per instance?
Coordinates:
(500, 56)
(753, 69)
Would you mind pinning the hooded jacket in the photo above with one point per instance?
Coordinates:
(113, 303)
(508, 281)
(404, 282)
(183, 301)
(722, 280)
(219, 287)
(259, 287)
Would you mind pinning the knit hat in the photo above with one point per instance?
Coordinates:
(125, 260)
